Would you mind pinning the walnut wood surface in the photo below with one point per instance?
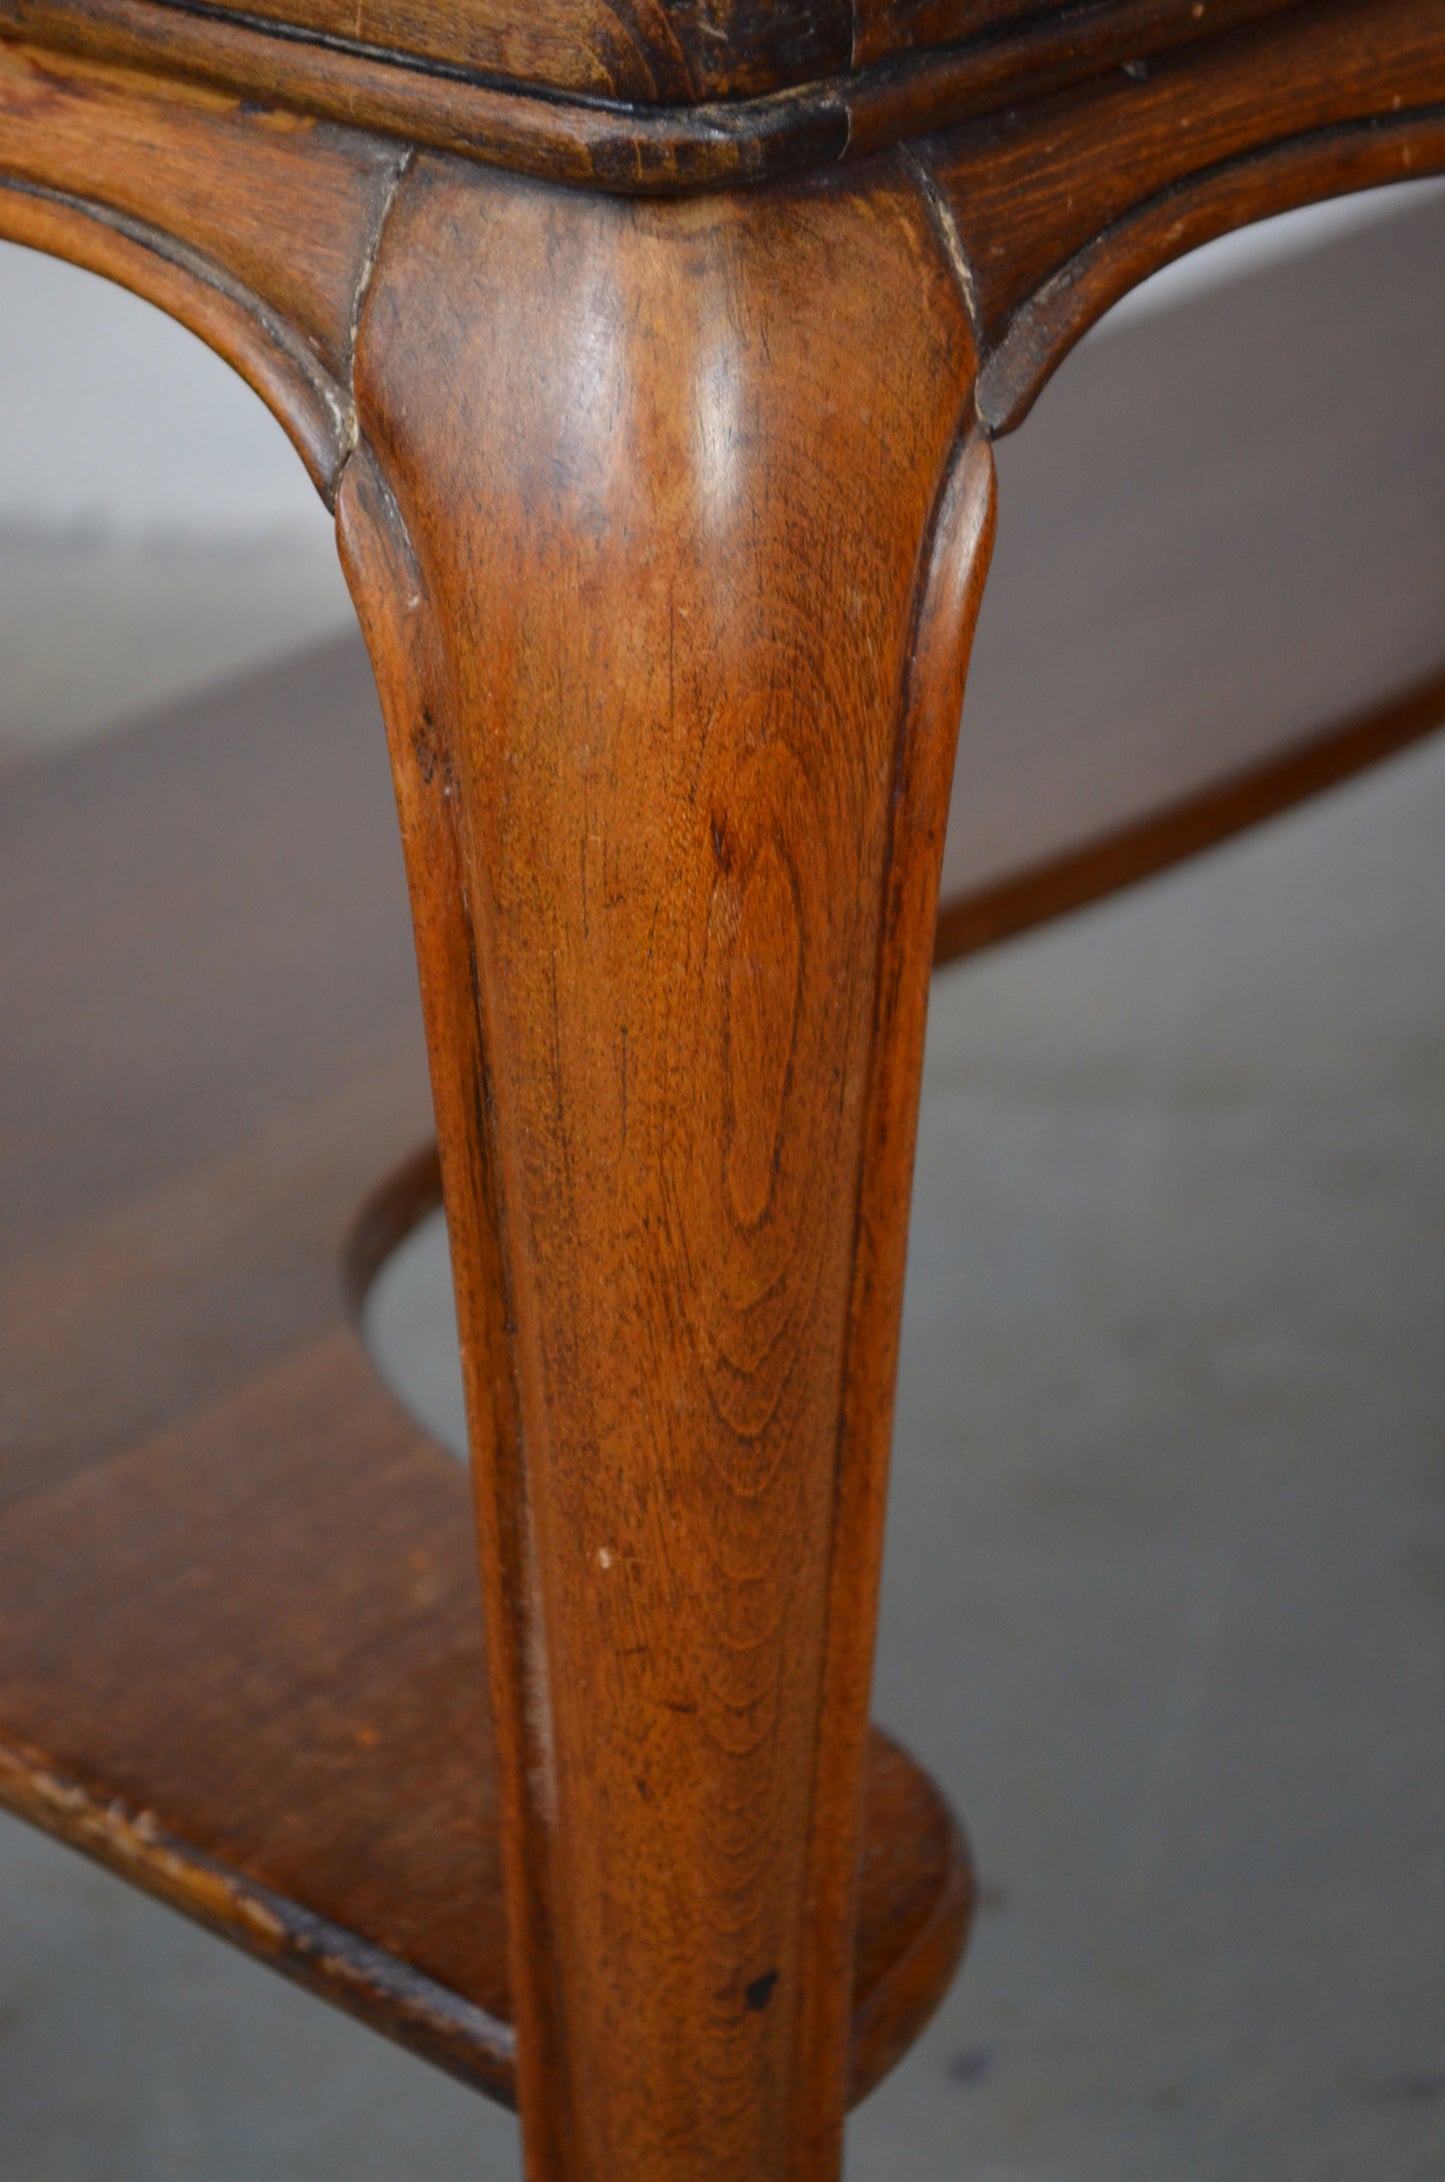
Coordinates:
(1208, 600)
(1060, 206)
(197, 201)
(666, 522)
(1051, 204)
(904, 82)
(658, 697)
(975, 918)
(628, 51)
(647, 53)
(240, 1646)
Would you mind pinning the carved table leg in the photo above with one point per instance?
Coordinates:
(666, 531)
(666, 521)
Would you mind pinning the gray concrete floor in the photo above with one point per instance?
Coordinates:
(1165, 1597)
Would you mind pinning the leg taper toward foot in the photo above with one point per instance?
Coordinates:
(667, 541)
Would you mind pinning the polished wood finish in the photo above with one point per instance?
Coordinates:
(198, 202)
(706, 52)
(1051, 205)
(646, 733)
(548, 126)
(666, 505)
(1061, 207)
(975, 918)
(241, 1657)
(1240, 602)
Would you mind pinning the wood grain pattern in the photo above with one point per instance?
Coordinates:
(924, 30)
(644, 52)
(241, 1654)
(666, 520)
(692, 775)
(550, 127)
(1014, 80)
(1259, 610)
(974, 918)
(1061, 206)
(199, 201)
(689, 53)
(234, 184)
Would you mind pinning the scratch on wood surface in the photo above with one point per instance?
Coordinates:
(945, 228)
(366, 271)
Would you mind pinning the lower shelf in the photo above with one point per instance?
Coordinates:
(242, 1667)
(240, 1640)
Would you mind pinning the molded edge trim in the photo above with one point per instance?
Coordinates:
(390, 1996)
(629, 149)
(313, 409)
(986, 916)
(353, 1974)
(1335, 161)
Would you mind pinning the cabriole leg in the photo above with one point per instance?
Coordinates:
(666, 529)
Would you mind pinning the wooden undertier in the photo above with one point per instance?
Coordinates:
(240, 1640)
